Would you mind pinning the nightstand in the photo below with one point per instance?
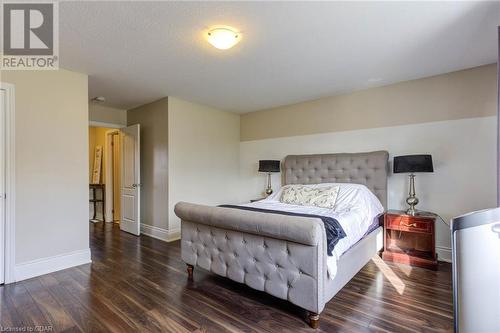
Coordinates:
(410, 239)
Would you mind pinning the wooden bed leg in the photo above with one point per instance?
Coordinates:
(313, 320)
(190, 272)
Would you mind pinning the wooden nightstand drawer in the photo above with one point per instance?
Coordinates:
(410, 239)
(407, 223)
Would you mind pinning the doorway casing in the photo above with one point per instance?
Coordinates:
(108, 151)
(110, 170)
(8, 125)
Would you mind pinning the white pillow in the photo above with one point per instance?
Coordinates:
(324, 197)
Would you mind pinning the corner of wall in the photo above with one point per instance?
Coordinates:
(203, 154)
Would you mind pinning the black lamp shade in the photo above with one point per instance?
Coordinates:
(269, 166)
(413, 163)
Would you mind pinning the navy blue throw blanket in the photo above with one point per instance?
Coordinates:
(334, 231)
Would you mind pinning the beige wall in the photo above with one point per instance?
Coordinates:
(104, 114)
(153, 119)
(203, 156)
(459, 148)
(458, 95)
(51, 133)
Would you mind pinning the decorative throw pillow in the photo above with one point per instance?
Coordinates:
(324, 197)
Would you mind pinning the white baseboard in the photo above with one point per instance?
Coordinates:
(43, 266)
(444, 253)
(160, 233)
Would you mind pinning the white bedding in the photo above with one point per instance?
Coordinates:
(355, 209)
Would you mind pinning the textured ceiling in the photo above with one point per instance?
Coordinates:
(137, 52)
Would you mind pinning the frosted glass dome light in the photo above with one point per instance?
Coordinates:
(223, 38)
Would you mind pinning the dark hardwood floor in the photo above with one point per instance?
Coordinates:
(139, 284)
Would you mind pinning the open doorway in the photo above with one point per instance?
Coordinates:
(104, 174)
(114, 176)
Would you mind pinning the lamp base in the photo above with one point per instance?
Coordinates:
(411, 211)
(269, 189)
(412, 200)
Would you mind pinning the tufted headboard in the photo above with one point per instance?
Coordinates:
(369, 169)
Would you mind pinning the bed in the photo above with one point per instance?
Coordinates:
(286, 255)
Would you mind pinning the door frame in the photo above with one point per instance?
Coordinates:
(108, 154)
(10, 177)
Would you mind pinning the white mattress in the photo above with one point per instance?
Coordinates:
(355, 209)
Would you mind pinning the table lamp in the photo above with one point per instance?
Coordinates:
(412, 164)
(269, 166)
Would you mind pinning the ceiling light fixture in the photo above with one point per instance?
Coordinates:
(223, 38)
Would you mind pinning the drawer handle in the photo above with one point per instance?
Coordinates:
(407, 225)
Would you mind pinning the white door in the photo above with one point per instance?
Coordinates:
(130, 193)
(2, 185)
